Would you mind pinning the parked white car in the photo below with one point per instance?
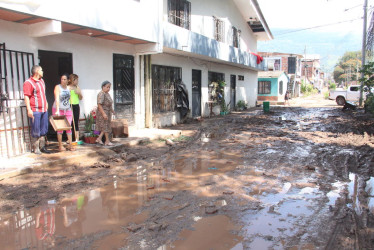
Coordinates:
(351, 94)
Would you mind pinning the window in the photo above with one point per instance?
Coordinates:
(291, 65)
(354, 88)
(179, 13)
(281, 87)
(264, 87)
(240, 78)
(164, 88)
(214, 77)
(219, 29)
(235, 37)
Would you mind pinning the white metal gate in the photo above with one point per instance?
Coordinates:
(14, 126)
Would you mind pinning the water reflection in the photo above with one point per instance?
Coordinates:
(107, 208)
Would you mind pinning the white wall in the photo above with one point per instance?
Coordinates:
(202, 13)
(92, 57)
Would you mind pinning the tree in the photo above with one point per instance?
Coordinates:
(347, 67)
(368, 85)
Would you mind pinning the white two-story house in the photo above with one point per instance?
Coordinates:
(142, 46)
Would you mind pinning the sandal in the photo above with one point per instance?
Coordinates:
(71, 148)
(109, 144)
(99, 141)
(62, 149)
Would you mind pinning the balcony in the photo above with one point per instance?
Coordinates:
(184, 42)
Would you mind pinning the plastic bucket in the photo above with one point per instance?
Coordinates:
(266, 106)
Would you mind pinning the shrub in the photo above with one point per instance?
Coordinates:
(332, 86)
(369, 103)
(308, 89)
(241, 105)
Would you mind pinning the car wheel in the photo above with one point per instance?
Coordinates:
(340, 100)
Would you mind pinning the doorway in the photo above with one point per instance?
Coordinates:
(124, 87)
(54, 65)
(196, 93)
(232, 91)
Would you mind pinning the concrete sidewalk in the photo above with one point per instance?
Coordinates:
(14, 166)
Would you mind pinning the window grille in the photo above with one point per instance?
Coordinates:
(179, 13)
(235, 37)
(281, 87)
(164, 88)
(264, 87)
(291, 65)
(219, 29)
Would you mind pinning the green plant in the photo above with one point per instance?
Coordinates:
(221, 95)
(89, 121)
(241, 105)
(326, 95)
(332, 86)
(308, 89)
(369, 103)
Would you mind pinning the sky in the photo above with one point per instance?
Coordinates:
(293, 24)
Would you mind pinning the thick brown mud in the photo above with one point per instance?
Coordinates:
(298, 177)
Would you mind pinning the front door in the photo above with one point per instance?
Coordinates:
(54, 65)
(232, 91)
(196, 93)
(124, 87)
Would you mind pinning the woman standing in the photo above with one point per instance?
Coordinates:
(75, 97)
(61, 106)
(104, 116)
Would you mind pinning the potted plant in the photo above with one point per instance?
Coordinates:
(89, 135)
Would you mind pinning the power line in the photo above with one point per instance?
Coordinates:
(319, 26)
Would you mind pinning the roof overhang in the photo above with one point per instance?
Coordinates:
(252, 14)
(25, 18)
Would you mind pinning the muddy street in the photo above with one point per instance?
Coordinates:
(298, 177)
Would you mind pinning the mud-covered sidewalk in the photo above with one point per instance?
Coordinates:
(298, 177)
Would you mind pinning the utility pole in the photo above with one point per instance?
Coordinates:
(363, 47)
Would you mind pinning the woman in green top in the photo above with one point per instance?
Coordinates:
(75, 97)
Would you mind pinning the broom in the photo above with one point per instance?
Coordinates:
(77, 141)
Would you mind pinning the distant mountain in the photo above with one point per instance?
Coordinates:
(330, 46)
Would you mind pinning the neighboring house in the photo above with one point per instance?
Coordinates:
(272, 87)
(311, 72)
(290, 64)
(142, 47)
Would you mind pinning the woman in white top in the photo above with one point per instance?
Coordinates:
(61, 106)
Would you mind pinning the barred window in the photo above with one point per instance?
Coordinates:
(219, 29)
(235, 37)
(264, 87)
(281, 87)
(179, 13)
(292, 65)
(164, 91)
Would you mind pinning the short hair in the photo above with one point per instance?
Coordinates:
(34, 69)
(104, 83)
(72, 77)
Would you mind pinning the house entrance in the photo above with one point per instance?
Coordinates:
(232, 91)
(196, 93)
(54, 65)
(123, 87)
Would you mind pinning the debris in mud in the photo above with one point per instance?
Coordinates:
(100, 165)
(228, 192)
(212, 209)
(150, 187)
(131, 158)
(168, 197)
(310, 168)
(134, 227)
(155, 227)
(115, 159)
(166, 180)
(169, 142)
